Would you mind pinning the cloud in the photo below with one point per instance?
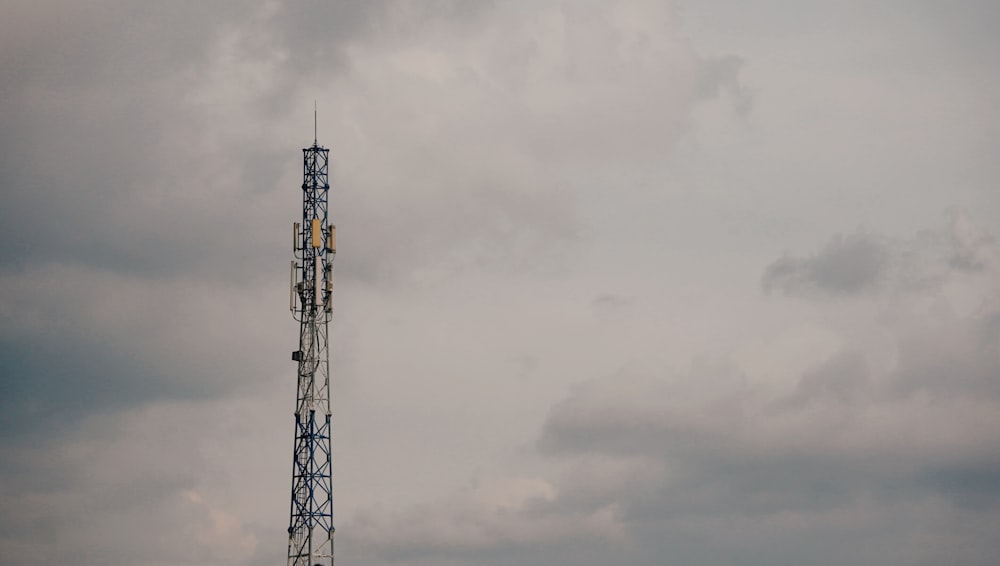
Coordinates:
(498, 514)
(148, 164)
(842, 378)
(759, 466)
(721, 75)
(883, 442)
(139, 193)
(844, 266)
(864, 262)
(713, 467)
(196, 124)
(107, 475)
(529, 195)
(80, 340)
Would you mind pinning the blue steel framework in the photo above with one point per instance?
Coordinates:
(310, 529)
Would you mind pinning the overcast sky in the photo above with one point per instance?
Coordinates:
(700, 282)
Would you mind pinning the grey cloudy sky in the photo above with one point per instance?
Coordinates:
(689, 282)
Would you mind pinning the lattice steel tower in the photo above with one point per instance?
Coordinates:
(310, 527)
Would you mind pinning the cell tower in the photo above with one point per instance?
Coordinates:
(310, 527)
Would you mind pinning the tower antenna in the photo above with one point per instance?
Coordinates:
(315, 137)
(310, 525)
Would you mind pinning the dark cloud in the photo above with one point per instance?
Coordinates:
(611, 301)
(865, 262)
(79, 341)
(720, 76)
(735, 455)
(51, 382)
(969, 246)
(845, 266)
